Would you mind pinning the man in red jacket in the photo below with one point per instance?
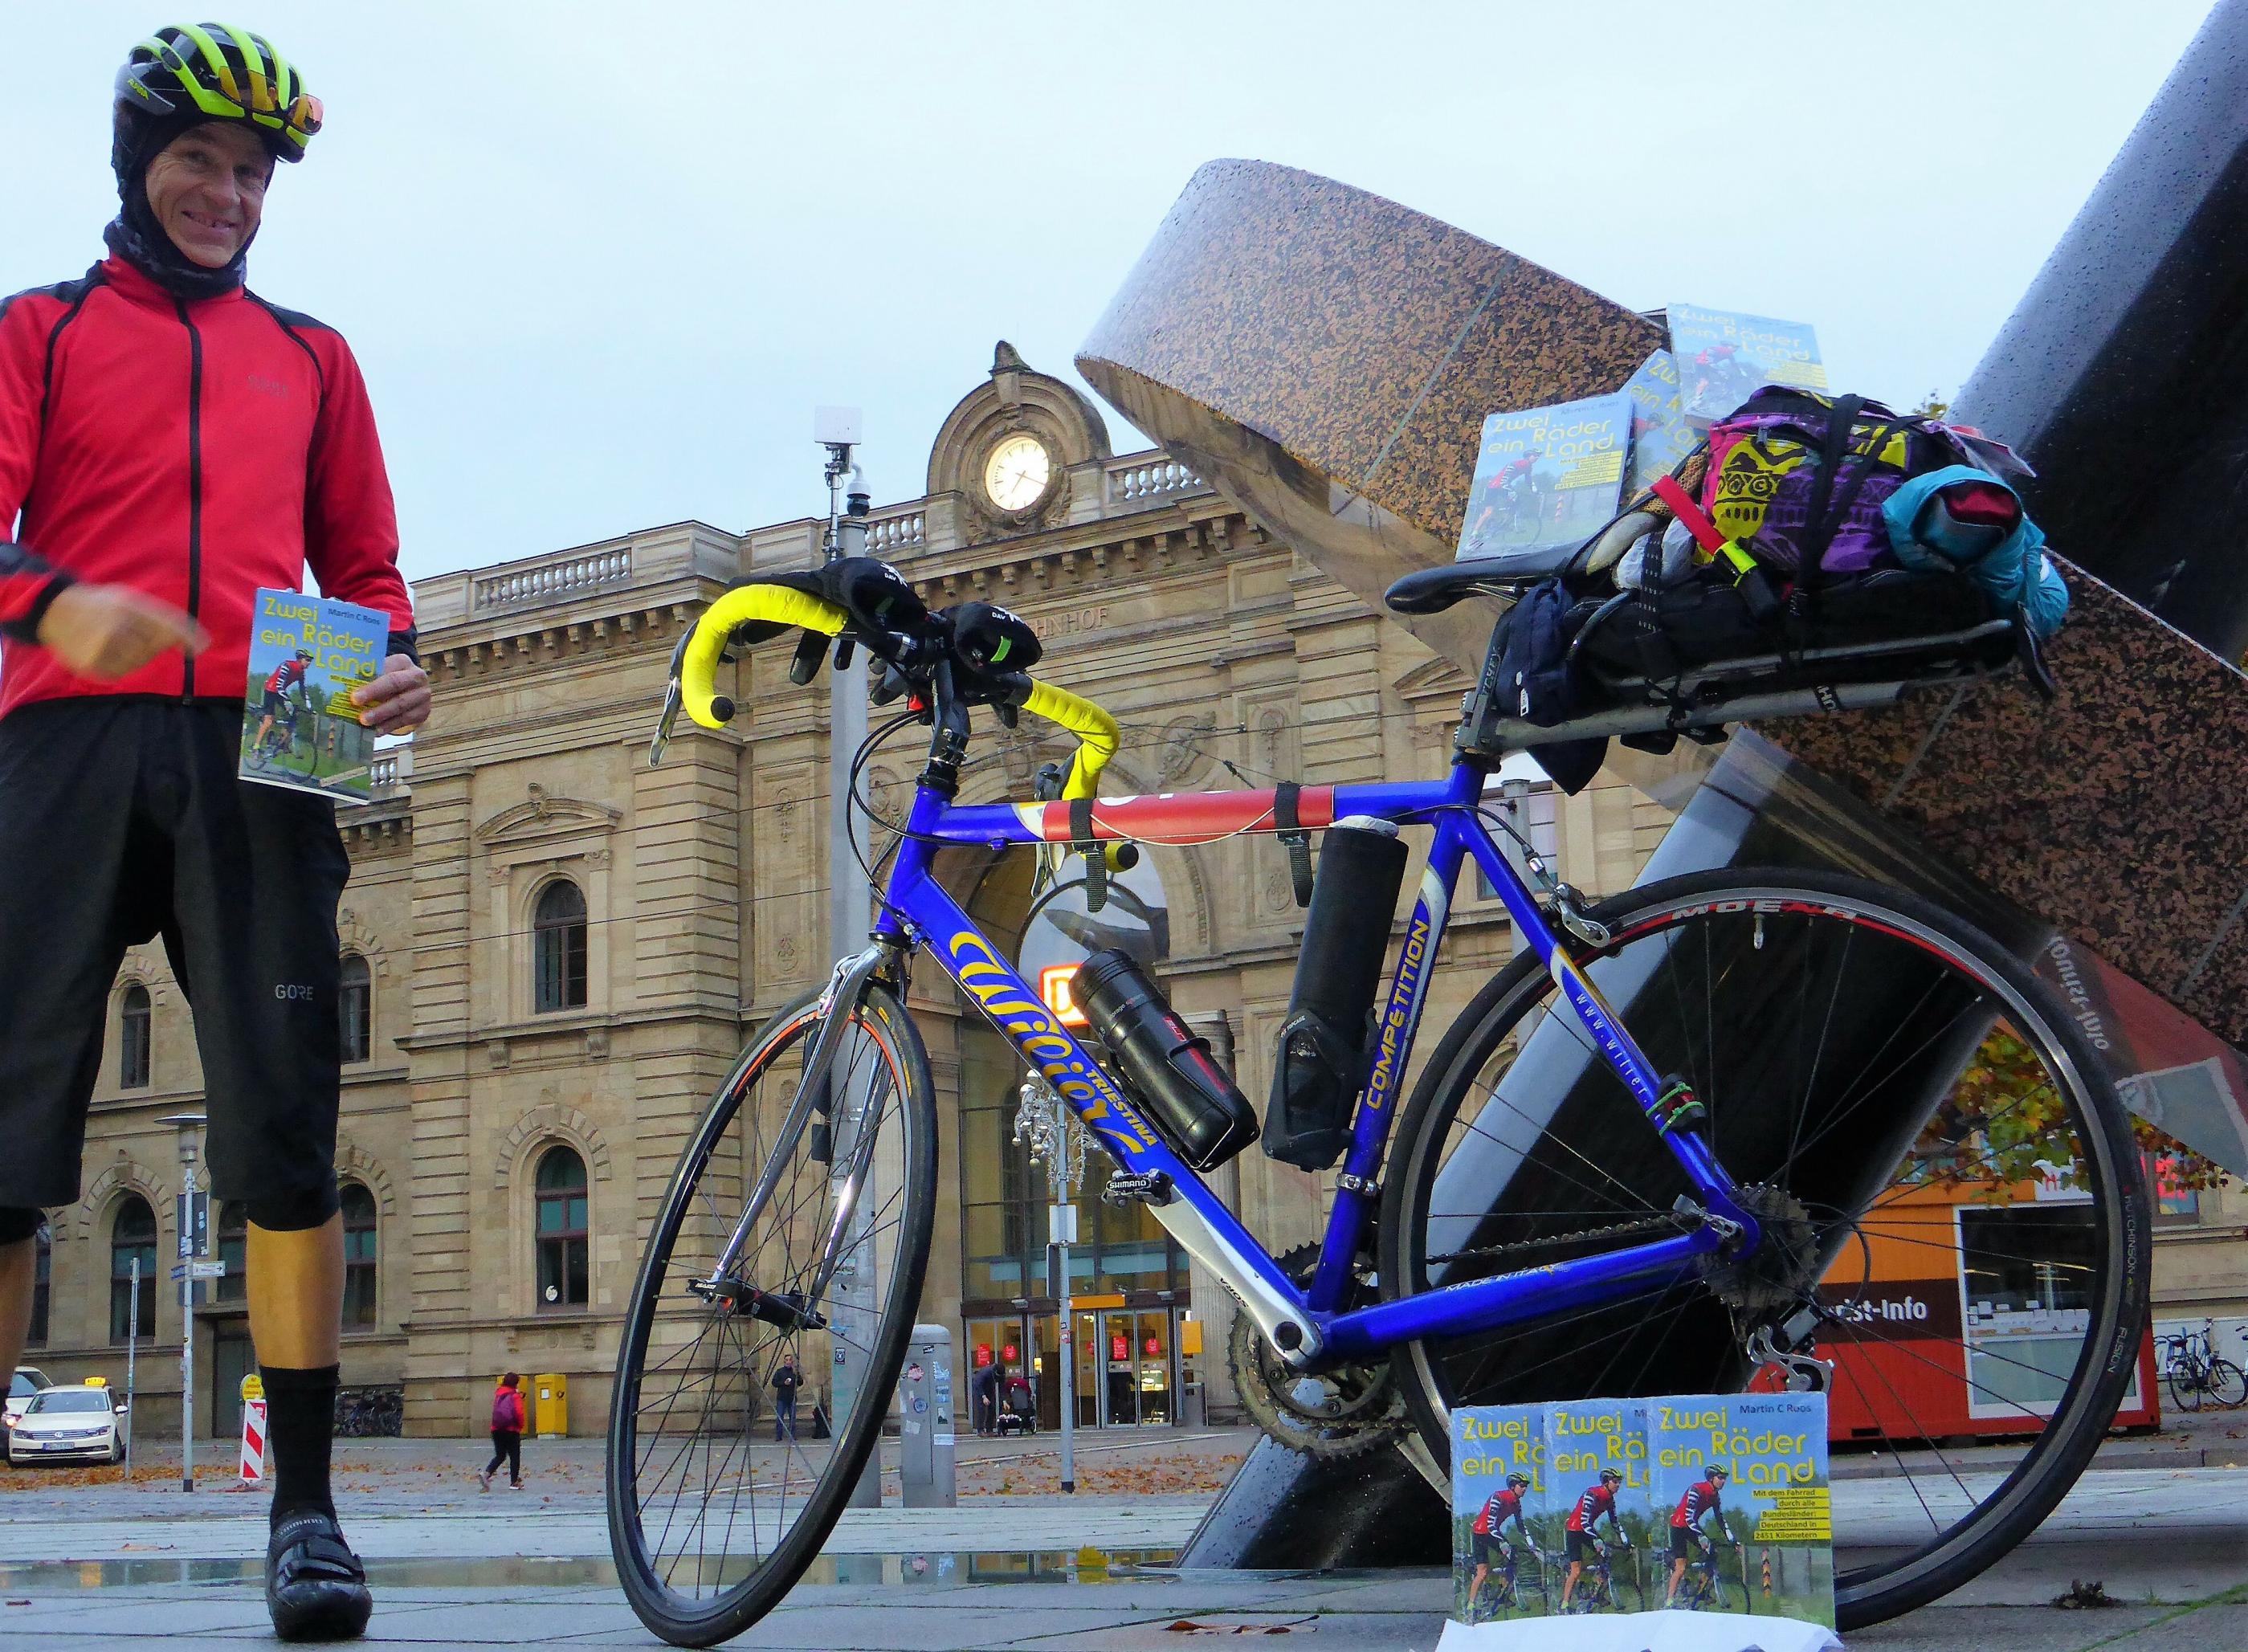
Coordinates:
(171, 441)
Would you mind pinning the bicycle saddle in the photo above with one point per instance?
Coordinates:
(1433, 590)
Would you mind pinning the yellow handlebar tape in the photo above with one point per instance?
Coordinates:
(698, 671)
(1096, 733)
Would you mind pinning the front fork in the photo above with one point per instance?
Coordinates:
(837, 1013)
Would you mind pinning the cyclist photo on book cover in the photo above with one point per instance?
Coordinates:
(1499, 1456)
(299, 727)
(1741, 1487)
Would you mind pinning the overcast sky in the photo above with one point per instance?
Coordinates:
(600, 261)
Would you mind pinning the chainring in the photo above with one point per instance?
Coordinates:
(1337, 1413)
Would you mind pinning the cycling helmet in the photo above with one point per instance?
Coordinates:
(1517, 1480)
(207, 72)
(1719, 1472)
(304, 653)
(1615, 1475)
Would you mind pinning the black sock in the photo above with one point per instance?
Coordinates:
(300, 1422)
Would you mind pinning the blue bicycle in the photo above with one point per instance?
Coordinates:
(1654, 1155)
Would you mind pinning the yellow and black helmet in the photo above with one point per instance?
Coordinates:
(209, 71)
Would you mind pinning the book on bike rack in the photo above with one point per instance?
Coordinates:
(299, 728)
(1723, 356)
(1546, 477)
(1659, 434)
(1752, 1467)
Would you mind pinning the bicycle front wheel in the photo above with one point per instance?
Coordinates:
(2185, 1385)
(1945, 1178)
(717, 1503)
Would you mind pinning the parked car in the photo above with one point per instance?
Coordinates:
(75, 1421)
(27, 1382)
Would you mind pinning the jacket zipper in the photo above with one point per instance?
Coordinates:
(194, 485)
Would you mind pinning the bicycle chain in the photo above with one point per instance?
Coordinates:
(1669, 1221)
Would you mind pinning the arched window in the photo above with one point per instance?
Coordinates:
(42, 1286)
(558, 948)
(134, 1049)
(131, 1238)
(355, 1005)
(562, 1273)
(234, 1251)
(359, 1255)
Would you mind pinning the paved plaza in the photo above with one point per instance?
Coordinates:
(142, 1565)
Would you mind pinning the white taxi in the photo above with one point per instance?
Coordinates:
(27, 1380)
(71, 1422)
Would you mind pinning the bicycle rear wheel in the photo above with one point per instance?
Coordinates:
(2186, 1386)
(710, 1521)
(2228, 1384)
(1888, 1084)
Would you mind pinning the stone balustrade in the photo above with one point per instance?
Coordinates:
(553, 579)
(1150, 479)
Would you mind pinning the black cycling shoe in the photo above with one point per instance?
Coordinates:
(315, 1586)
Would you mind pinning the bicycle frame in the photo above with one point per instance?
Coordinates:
(1310, 1328)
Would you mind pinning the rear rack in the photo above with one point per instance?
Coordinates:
(1752, 689)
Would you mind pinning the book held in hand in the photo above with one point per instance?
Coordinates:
(1546, 477)
(1724, 356)
(299, 728)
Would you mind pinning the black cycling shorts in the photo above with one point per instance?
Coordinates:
(1490, 1548)
(1583, 1546)
(1685, 1543)
(121, 818)
(276, 704)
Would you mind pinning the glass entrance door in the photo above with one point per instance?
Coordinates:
(1152, 1348)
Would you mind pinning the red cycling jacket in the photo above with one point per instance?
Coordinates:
(193, 449)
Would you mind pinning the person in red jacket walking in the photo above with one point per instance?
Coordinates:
(508, 1422)
(171, 442)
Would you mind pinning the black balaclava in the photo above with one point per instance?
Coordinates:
(134, 235)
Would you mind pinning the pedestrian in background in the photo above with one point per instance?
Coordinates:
(785, 1383)
(983, 1391)
(507, 1426)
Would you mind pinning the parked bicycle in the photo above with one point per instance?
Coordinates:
(2195, 1373)
(1647, 1158)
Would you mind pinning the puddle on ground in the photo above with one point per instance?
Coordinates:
(1078, 1566)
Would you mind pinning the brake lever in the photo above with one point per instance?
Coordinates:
(811, 649)
(673, 699)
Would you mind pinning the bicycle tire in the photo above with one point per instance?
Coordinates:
(1965, 963)
(2185, 1390)
(2228, 1384)
(685, 1616)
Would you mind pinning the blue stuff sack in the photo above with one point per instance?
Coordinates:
(2015, 570)
(1539, 682)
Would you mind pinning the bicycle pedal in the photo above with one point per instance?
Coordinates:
(1129, 1187)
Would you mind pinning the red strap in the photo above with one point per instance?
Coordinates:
(1682, 504)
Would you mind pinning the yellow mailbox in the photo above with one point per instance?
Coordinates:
(550, 1405)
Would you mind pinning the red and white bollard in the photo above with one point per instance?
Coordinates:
(253, 1430)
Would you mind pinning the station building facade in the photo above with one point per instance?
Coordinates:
(553, 951)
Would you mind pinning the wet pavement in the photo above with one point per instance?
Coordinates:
(148, 1567)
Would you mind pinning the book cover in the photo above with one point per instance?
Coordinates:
(1596, 1522)
(299, 728)
(1546, 477)
(1741, 1490)
(1498, 1477)
(1723, 356)
(1659, 434)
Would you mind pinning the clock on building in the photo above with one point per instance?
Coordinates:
(1016, 474)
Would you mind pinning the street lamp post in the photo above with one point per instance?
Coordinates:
(849, 912)
(191, 1228)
